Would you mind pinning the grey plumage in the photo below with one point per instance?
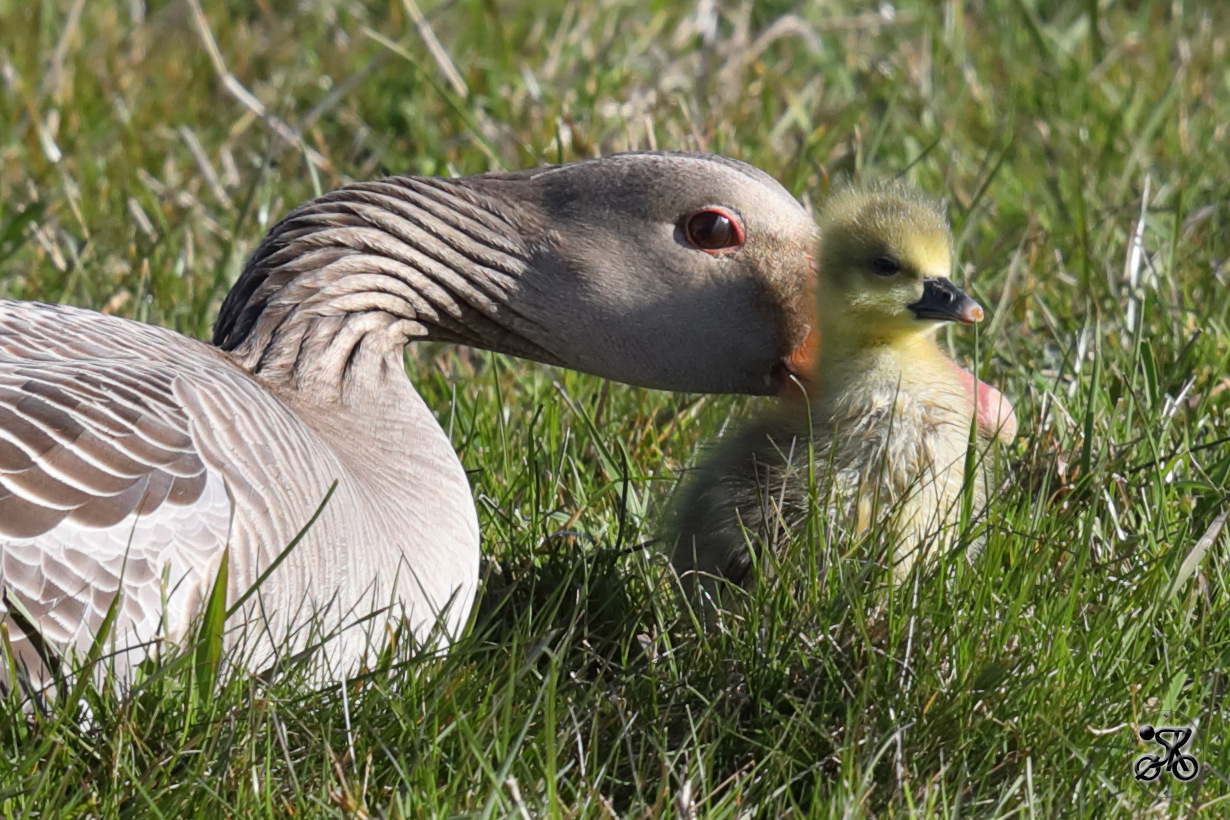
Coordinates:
(132, 457)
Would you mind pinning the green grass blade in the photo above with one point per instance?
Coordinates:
(208, 652)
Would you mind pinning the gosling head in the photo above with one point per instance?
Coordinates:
(885, 258)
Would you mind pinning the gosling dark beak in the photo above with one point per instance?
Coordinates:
(942, 301)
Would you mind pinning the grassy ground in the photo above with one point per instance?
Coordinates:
(1084, 148)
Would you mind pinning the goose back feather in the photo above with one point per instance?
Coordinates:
(135, 464)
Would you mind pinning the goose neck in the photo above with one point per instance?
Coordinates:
(340, 286)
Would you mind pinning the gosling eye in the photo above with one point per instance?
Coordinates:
(885, 266)
(713, 230)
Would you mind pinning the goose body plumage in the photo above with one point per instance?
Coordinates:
(132, 458)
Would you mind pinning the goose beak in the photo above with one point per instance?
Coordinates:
(800, 365)
(945, 302)
(994, 414)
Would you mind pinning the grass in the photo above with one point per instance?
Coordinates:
(1084, 150)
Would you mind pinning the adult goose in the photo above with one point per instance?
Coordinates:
(132, 458)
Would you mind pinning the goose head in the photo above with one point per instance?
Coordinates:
(677, 271)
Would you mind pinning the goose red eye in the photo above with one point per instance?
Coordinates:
(713, 230)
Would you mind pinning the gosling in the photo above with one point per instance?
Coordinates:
(887, 415)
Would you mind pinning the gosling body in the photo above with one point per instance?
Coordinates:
(885, 429)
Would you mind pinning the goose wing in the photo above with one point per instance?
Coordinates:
(101, 489)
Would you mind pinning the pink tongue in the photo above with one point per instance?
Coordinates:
(994, 414)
